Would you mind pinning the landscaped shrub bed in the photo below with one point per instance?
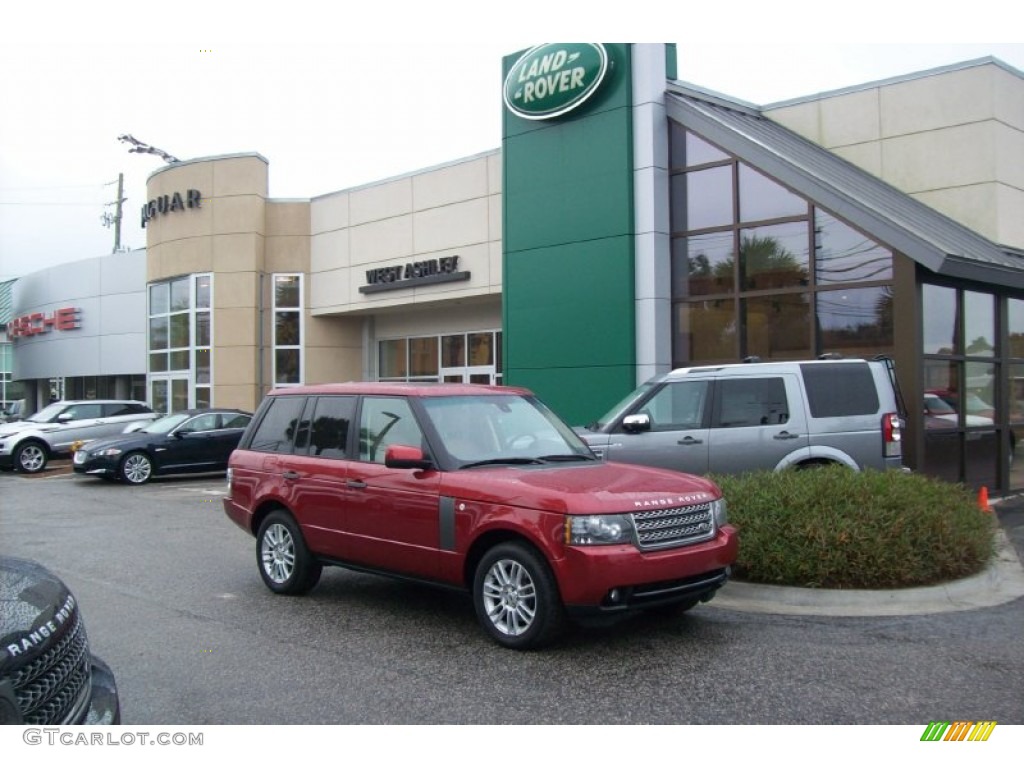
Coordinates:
(834, 528)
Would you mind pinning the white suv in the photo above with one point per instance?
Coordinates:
(28, 445)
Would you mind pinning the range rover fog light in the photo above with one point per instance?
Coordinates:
(614, 596)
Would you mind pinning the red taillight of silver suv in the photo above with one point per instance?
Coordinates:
(892, 435)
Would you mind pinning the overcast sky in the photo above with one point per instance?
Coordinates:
(331, 108)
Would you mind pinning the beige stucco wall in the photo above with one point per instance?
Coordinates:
(243, 238)
(451, 210)
(952, 138)
(226, 236)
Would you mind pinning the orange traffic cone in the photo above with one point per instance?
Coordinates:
(983, 499)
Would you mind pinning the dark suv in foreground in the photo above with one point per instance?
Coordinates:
(474, 487)
(47, 674)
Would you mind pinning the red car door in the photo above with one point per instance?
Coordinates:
(393, 519)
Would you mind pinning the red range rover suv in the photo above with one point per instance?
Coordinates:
(476, 487)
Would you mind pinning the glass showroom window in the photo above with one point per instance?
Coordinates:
(1014, 387)
(757, 269)
(180, 339)
(6, 366)
(287, 329)
(965, 420)
(473, 357)
(203, 341)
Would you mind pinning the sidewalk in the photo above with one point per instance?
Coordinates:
(1001, 582)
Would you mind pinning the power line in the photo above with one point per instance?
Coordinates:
(80, 205)
(57, 186)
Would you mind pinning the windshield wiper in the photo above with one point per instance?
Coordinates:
(506, 460)
(568, 457)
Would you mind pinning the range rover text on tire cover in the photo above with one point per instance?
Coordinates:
(477, 487)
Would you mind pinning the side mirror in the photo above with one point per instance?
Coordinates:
(406, 457)
(637, 422)
(65, 417)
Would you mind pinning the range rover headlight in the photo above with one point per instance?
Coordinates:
(719, 509)
(589, 530)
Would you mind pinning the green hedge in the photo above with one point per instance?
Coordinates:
(834, 528)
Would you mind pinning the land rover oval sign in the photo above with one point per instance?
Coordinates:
(554, 78)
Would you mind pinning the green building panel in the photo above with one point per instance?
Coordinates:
(590, 323)
(570, 182)
(568, 239)
(573, 394)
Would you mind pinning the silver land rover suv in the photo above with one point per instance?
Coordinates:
(728, 419)
(28, 445)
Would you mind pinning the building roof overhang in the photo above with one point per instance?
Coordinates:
(887, 214)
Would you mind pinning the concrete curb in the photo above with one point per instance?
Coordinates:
(1001, 582)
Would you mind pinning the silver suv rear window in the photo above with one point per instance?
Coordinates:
(840, 389)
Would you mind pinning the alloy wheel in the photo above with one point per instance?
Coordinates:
(137, 469)
(277, 553)
(510, 597)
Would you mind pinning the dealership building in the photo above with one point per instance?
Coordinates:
(628, 224)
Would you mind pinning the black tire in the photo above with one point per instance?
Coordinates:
(815, 464)
(31, 456)
(516, 597)
(283, 558)
(136, 468)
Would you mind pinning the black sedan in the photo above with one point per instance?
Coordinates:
(199, 440)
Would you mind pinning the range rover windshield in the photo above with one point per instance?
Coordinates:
(476, 430)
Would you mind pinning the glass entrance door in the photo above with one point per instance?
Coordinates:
(475, 374)
(168, 394)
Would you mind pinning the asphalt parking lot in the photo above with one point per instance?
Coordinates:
(174, 604)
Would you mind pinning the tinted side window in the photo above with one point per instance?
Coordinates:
(386, 421)
(751, 402)
(84, 411)
(840, 389)
(235, 421)
(276, 431)
(677, 405)
(332, 418)
(207, 422)
(123, 409)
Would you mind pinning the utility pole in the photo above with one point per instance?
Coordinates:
(115, 219)
(140, 147)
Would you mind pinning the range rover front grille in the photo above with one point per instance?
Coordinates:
(674, 527)
(51, 690)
